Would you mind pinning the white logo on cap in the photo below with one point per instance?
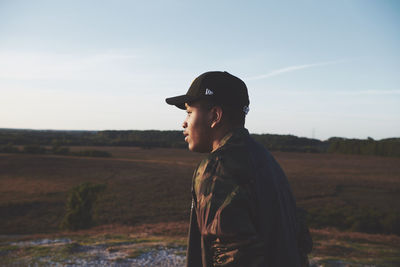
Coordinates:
(209, 92)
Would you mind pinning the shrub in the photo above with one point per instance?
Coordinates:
(93, 153)
(80, 206)
(34, 149)
(367, 221)
(59, 150)
(391, 223)
(9, 148)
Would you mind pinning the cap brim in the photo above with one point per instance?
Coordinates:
(179, 101)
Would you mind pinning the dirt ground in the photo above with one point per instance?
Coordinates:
(164, 244)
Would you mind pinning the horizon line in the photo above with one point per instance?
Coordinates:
(257, 133)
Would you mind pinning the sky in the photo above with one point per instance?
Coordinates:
(315, 69)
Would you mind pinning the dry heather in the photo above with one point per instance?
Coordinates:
(153, 185)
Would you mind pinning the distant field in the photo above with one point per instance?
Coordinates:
(355, 180)
(153, 185)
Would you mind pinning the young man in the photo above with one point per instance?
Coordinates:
(243, 211)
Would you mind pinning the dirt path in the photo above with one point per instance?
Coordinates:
(112, 250)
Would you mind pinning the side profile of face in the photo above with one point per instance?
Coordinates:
(197, 128)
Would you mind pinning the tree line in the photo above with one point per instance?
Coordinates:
(9, 138)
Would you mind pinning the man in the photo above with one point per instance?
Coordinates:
(243, 211)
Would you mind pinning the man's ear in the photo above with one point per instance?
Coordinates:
(216, 113)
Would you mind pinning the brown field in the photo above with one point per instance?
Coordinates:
(148, 193)
(142, 186)
(153, 185)
(356, 180)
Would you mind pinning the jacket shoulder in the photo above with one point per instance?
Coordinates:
(233, 161)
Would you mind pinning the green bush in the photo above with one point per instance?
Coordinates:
(59, 150)
(391, 223)
(9, 148)
(80, 206)
(93, 153)
(34, 149)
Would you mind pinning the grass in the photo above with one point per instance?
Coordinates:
(355, 249)
(138, 252)
(318, 179)
(153, 185)
(88, 245)
(147, 199)
(5, 249)
(39, 251)
(33, 190)
(360, 248)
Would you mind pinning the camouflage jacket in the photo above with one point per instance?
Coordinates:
(243, 210)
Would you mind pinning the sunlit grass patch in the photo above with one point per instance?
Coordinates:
(181, 253)
(7, 248)
(138, 251)
(355, 249)
(134, 253)
(39, 251)
(71, 248)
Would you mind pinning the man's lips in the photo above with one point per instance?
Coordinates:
(186, 136)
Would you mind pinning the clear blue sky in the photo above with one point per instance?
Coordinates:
(313, 68)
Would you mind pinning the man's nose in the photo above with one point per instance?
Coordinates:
(184, 124)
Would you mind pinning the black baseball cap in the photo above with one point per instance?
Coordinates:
(219, 87)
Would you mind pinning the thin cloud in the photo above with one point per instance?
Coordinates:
(289, 69)
(53, 66)
(370, 92)
(340, 92)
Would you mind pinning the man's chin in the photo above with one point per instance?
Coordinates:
(191, 148)
(197, 149)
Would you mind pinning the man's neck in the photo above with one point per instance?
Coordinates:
(219, 135)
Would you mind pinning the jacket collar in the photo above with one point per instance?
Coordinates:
(232, 137)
